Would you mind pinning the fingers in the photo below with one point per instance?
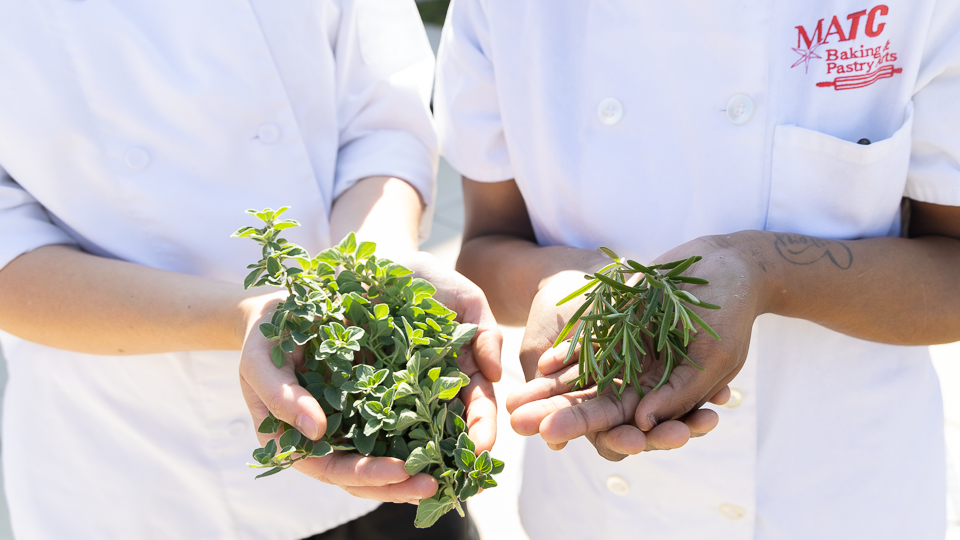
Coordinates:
(465, 297)
(669, 435)
(538, 337)
(628, 440)
(257, 410)
(265, 386)
(354, 470)
(620, 442)
(722, 396)
(489, 340)
(412, 491)
(527, 419)
(380, 478)
(481, 412)
(701, 421)
(483, 352)
(685, 391)
(542, 388)
(591, 415)
(552, 360)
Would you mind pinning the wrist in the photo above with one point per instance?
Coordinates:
(765, 270)
(401, 250)
(408, 257)
(566, 262)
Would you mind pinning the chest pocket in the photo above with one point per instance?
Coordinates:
(828, 187)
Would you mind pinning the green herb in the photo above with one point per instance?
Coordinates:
(619, 325)
(380, 357)
(433, 11)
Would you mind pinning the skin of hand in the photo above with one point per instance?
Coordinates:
(832, 283)
(498, 234)
(121, 308)
(268, 389)
(546, 404)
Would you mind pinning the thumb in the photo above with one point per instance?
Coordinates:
(686, 390)
(267, 388)
(555, 358)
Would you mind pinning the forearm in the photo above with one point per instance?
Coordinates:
(892, 290)
(61, 297)
(512, 270)
(379, 209)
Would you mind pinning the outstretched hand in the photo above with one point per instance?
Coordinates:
(480, 360)
(666, 418)
(737, 284)
(268, 389)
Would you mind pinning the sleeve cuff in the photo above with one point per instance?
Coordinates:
(388, 153)
(478, 173)
(22, 231)
(24, 224)
(946, 193)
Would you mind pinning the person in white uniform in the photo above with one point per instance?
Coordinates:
(133, 135)
(777, 140)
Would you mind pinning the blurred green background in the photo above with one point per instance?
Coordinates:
(433, 11)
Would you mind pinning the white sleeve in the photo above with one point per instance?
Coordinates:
(24, 223)
(934, 175)
(466, 103)
(385, 72)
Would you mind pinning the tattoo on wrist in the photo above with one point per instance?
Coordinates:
(803, 250)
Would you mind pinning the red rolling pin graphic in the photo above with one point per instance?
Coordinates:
(861, 81)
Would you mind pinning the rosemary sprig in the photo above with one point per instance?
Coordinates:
(611, 323)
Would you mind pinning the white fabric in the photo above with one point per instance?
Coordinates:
(814, 450)
(142, 131)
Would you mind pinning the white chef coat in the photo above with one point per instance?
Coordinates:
(142, 131)
(643, 125)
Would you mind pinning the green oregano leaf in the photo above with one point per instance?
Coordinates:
(276, 354)
(430, 510)
(380, 355)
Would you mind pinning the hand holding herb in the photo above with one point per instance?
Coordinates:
(550, 407)
(374, 349)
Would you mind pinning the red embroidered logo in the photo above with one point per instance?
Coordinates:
(848, 65)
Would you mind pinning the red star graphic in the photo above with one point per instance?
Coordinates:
(806, 55)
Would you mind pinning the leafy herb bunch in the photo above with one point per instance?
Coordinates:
(379, 355)
(617, 322)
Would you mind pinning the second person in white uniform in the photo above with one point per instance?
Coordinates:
(777, 139)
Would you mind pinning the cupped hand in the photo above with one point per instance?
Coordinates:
(741, 287)
(664, 419)
(549, 406)
(480, 359)
(268, 389)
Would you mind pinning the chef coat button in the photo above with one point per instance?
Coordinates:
(137, 158)
(237, 428)
(618, 486)
(732, 512)
(736, 399)
(268, 133)
(740, 109)
(610, 111)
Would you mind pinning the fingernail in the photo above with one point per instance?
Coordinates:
(653, 420)
(307, 426)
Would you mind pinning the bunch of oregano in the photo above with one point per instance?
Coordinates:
(617, 322)
(380, 357)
